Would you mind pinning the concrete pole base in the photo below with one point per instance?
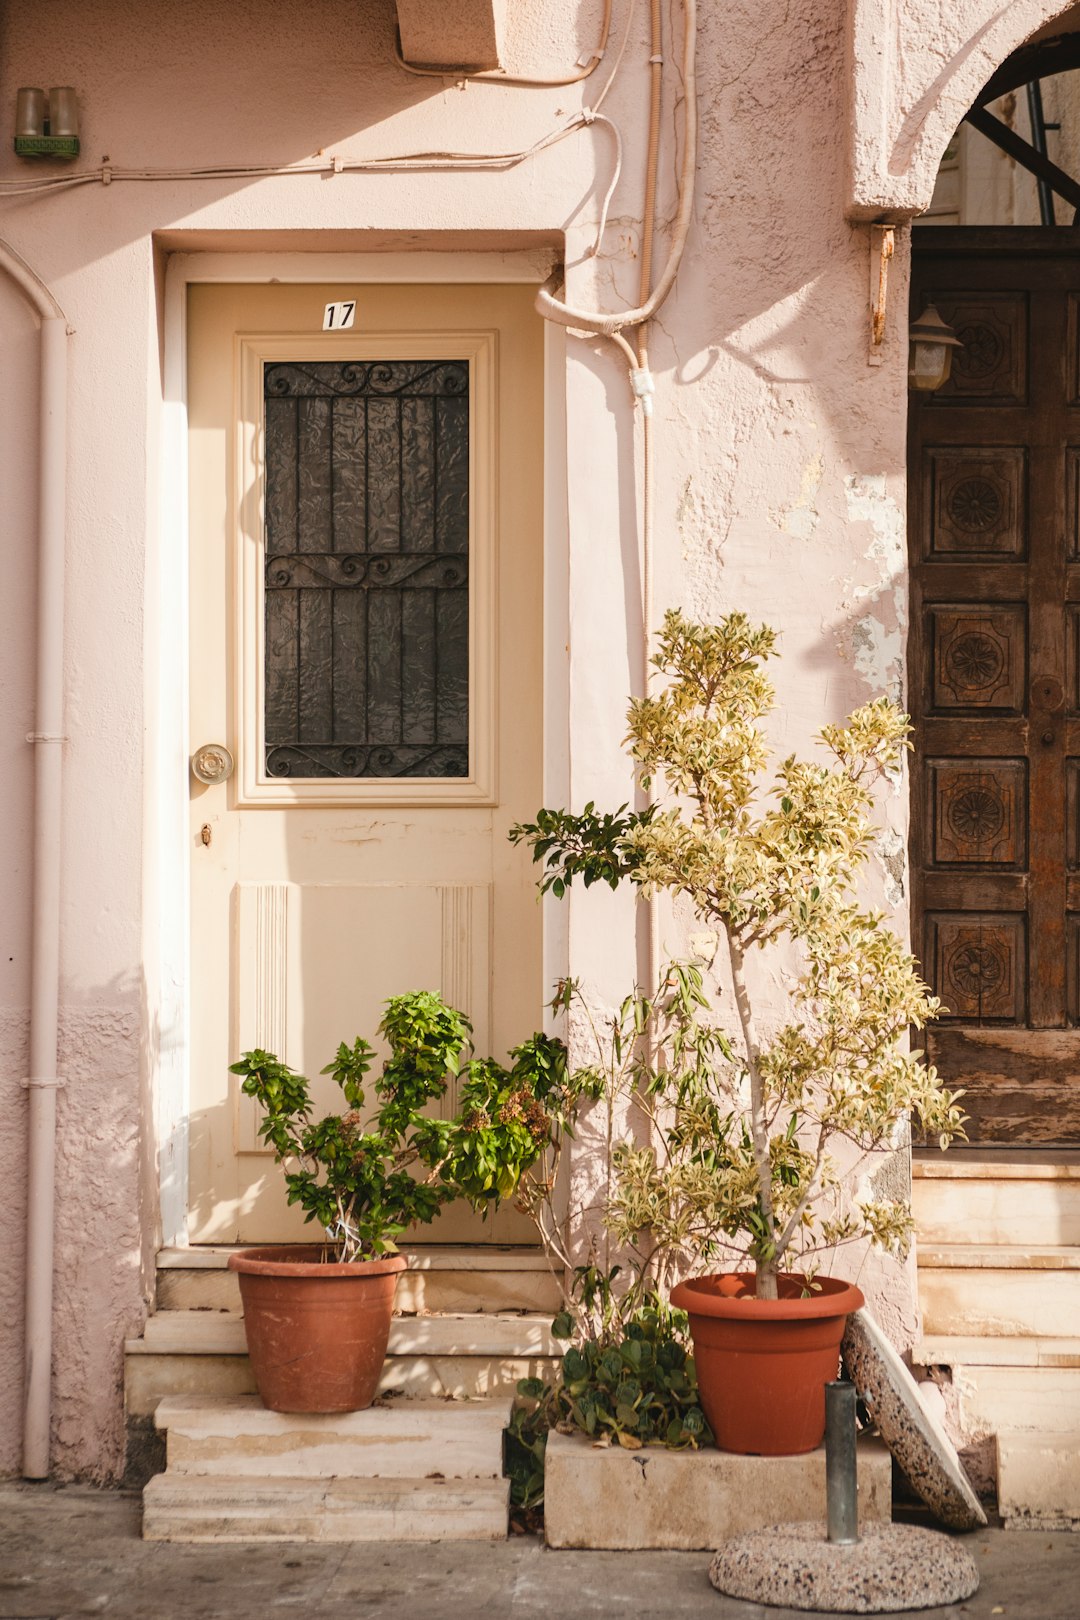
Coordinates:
(891, 1568)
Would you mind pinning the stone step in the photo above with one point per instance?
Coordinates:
(203, 1353)
(996, 1164)
(198, 1507)
(455, 1334)
(443, 1278)
(998, 1257)
(605, 1497)
(1039, 1480)
(1009, 1384)
(1010, 1211)
(998, 1293)
(957, 1350)
(398, 1439)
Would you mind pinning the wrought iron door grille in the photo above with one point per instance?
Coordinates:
(367, 568)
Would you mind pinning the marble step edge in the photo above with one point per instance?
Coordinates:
(421, 1257)
(960, 1350)
(475, 1334)
(997, 1257)
(1003, 1164)
(421, 1438)
(240, 1416)
(236, 1508)
(149, 1379)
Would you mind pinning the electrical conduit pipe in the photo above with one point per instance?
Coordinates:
(554, 309)
(47, 737)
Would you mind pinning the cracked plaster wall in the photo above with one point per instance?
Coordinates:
(779, 477)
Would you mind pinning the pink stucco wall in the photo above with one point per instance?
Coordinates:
(779, 474)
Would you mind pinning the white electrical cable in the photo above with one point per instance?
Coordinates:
(554, 309)
(601, 227)
(619, 54)
(109, 173)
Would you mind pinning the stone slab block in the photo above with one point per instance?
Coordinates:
(148, 1379)
(467, 1334)
(993, 1399)
(400, 1439)
(453, 1283)
(999, 1257)
(996, 1164)
(982, 1302)
(189, 1507)
(605, 1497)
(1039, 1480)
(420, 1256)
(1037, 1211)
(956, 1350)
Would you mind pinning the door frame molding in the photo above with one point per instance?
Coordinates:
(166, 892)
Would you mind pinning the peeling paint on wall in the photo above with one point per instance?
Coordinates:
(877, 637)
(892, 854)
(800, 518)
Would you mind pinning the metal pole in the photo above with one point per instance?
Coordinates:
(1037, 119)
(841, 1481)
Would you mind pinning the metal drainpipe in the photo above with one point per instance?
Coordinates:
(47, 736)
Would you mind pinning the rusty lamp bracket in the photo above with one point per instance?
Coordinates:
(882, 248)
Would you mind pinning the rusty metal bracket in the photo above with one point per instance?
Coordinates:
(882, 248)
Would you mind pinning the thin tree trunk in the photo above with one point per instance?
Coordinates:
(759, 1131)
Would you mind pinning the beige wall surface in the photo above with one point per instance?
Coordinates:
(779, 488)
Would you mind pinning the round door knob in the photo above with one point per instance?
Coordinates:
(212, 763)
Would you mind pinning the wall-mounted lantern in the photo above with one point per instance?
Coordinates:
(47, 126)
(930, 351)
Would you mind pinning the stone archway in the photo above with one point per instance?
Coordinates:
(913, 74)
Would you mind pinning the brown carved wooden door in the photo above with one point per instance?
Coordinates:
(994, 469)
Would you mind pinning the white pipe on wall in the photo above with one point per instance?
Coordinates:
(47, 737)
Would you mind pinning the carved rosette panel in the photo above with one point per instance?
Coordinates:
(976, 504)
(978, 811)
(978, 966)
(990, 367)
(979, 657)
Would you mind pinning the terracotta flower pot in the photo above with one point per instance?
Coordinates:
(762, 1364)
(316, 1330)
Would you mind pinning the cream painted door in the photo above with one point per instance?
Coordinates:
(366, 535)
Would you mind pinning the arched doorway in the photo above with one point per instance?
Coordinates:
(994, 536)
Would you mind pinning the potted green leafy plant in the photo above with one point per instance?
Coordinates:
(738, 1157)
(317, 1327)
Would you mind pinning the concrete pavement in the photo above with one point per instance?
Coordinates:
(69, 1551)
